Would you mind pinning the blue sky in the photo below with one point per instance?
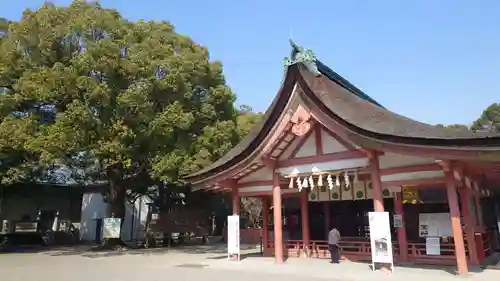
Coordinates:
(433, 61)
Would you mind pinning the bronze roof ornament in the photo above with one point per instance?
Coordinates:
(305, 56)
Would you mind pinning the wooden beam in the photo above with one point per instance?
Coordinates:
(411, 169)
(415, 183)
(268, 193)
(255, 183)
(351, 154)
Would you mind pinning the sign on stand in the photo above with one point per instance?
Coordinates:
(111, 227)
(380, 238)
(233, 237)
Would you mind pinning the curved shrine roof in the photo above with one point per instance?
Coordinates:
(337, 97)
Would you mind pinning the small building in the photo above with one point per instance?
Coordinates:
(38, 201)
(336, 153)
(75, 207)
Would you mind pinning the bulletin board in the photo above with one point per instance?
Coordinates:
(435, 225)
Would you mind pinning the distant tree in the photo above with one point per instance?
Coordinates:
(489, 119)
(252, 210)
(246, 120)
(454, 126)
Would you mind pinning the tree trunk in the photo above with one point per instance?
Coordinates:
(116, 198)
(116, 191)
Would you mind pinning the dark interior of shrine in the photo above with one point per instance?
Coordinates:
(351, 217)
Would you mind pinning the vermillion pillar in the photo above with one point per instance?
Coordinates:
(278, 220)
(378, 199)
(236, 200)
(401, 231)
(304, 210)
(456, 225)
(265, 223)
(469, 225)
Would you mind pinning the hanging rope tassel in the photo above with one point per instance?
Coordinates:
(346, 179)
(290, 185)
(337, 180)
(320, 180)
(305, 183)
(311, 182)
(330, 181)
(299, 184)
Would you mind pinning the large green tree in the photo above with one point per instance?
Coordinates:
(132, 103)
(489, 119)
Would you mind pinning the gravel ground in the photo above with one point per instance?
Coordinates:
(74, 265)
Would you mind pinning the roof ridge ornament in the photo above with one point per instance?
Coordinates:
(301, 55)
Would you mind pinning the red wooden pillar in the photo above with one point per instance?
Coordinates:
(278, 219)
(401, 231)
(456, 225)
(304, 211)
(469, 225)
(378, 198)
(236, 200)
(265, 223)
(326, 214)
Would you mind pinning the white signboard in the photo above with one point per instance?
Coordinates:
(380, 238)
(435, 225)
(233, 236)
(111, 227)
(432, 246)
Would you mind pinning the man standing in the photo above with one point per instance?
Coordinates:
(333, 245)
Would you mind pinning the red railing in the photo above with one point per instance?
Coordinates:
(355, 248)
(352, 248)
(483, 243)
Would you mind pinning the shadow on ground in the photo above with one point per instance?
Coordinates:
(242, 256)
(218, 249)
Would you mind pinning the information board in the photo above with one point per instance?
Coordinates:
(380, 238)
(111, 227)
(233, 236)
(432, 246)
(435, 225)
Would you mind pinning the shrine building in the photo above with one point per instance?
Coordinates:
(325, 154)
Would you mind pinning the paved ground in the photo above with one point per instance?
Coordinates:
(196, 263)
